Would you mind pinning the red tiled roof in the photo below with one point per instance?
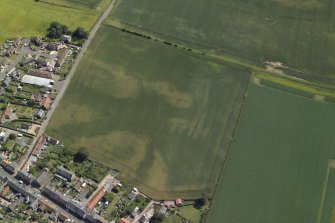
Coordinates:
(123, 220)
(38, 146)
(95, 199)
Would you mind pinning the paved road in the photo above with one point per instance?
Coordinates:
(70, 75)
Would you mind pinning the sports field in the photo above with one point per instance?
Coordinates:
(160, 115)
(30, 18)
(301, 34)
(280, 167)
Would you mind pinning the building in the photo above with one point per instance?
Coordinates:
(39, 81)
(42, 180)
(10, 167)
(45, 103)
(55, 196)
(25, 177)
(24, 191)
(52, 141)
(39, 113)
(66, 38)
(123, 220)
(179, 202)
(76, 208)
(64, 173)
(45, 206)
(96, 198)
(38, 146)
(41, 73)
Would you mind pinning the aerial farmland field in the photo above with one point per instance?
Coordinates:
(298, 33)
(162, 116)
(79, 4)
(280, 167)
(30, 18)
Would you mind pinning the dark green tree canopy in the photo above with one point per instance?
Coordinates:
(81, 155)
(80, 34)
(56, 30)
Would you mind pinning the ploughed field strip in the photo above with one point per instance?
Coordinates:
(26, 18)
(160, 115)
(298, 33)
(280, 167)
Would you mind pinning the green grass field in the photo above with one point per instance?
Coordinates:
(301, 34)
(158, 114)
(278, 166)
(79, 4)
(29, 18)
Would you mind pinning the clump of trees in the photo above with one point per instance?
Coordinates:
(56, 30)
(80, 34)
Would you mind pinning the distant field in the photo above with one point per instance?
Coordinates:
(280, 167)
(86, 4)
(30, 18)
(301, 34)
(158, 114)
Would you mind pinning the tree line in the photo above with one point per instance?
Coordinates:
(57, 30)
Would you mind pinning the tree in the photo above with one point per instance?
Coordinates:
(81, 155)
(80, 34)
(56, 30)
(157, 218)
(31, 103)
(12, 136)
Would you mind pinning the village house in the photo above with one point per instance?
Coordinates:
(25, 177)
(123, 220)
(96, 198)
(39, 113)
(66, 38)
(52, 141)
(64, 174)
(10, 167)
(39, 146)
(45, 103)
(27, 59)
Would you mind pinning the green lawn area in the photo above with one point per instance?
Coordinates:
(301, 34)
(30, 18)
(190, 213)
(160, 115)
(277, 169)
